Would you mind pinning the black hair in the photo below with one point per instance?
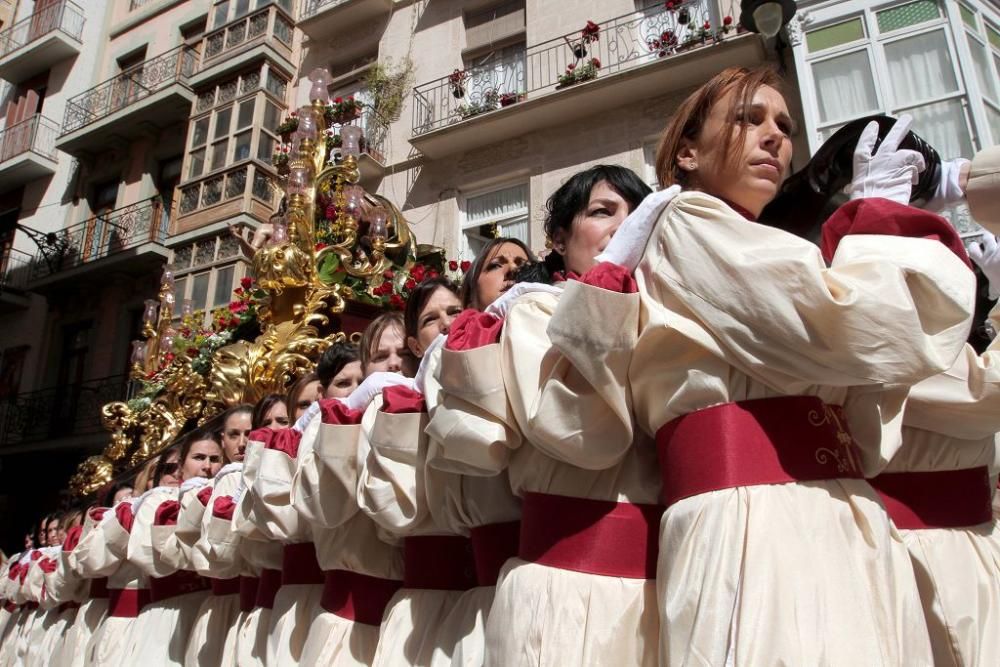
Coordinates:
(333, 361)
(469, 293)
(264, 406)
(419, 296)
(161, 464)
(107, 497)
(197, 435)
(572, 198)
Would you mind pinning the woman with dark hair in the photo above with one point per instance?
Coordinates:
(236, 426)
(492, 271)
(339, 370)
(270, 412)
(304, 392)
(432, 306)
(737, 357)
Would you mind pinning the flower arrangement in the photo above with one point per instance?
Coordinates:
(664, 44)
(574, 75)
(511, 98)
(590, 33)
(490, 101)
(342, 110)
(457, 81)
(287, 126)
(279, 158)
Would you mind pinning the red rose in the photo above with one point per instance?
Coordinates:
(387, 274)
(595, 62)
(294, 115)
(338, 100)
(432, 273)
(453, 265)
(410, 284)
(727, 20)
(465, 265)
(397, 302)
(234, 322)
(571, 67)
(707, 26)
(417, 272)
(246, 282)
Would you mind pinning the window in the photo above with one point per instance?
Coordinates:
(984, 48)
(207, 271)
(199, 290)
(894, 59)
(501, 70)
(493, 214)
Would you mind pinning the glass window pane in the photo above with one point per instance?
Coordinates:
(221, 10)
(242, 7)
(222, 122)
(272, 116)
(219, 154)
(994, 36)
(508, 202)
(180, 287)
(276, 85)
(265, 148)
(835, 35)
(242, 150)
(968, 16)
(987, 83)
(199, 291)
(943, 126)
(920, 68)
(199, 134)
(906, 15)
(197, 164)
(993, 116)
(224, 286)
(845, 88)
(245, 118)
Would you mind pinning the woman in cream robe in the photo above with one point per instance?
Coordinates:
(94, 606)
(361, 568)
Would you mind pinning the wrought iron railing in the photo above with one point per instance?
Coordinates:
(37, 134)
(15, 267)
(56, 412)
(132, 85)
(136, 4)
(105, 235)
(312, 7)
(223, 186)
(64, 16)
(621, 44)
(256, 26)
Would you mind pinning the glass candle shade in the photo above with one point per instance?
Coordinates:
(379, 228)
(354, 196)
(350, 136)
(308, 123)
(138, 352)
(299, 180)
(318, 91)
(149, 314)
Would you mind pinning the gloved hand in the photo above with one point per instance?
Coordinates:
(949, 190)
(987, 258)
(373, 386)
(501, 306)
(421, 376)
(629, 241)
(891, 172)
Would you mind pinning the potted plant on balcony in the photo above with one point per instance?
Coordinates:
(508, 99)
(578, 74)
(343, 110)
(457, 82)
(287, 126)
(490, 101)
(279, 158)
(589, 34)
(663, 45)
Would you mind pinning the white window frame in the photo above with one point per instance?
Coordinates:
(465, 250)
(240, 266)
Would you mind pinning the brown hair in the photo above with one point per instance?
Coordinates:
(295, 393)
(469, 292)
(373, 334)
(689, 119)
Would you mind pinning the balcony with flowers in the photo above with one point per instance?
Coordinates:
(36, 43)
(155, 92)
(599, 68)
(319, 19)
(129, 239)
(266, 32)
(27, 151)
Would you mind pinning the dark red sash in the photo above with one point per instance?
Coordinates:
(299, 565)
(938, 499)
(438, 562)
(492, 545)
(357, 597)
(248, 592)
(98, 588)
(593, 536)
(267, 587)
(9, 606)
(128, 602)
(225, 586)
(181, 582)
(752, 443)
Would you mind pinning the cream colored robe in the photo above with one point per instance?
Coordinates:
(92, 610)
(800, 573)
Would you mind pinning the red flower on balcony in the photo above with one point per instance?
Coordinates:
(465, 266)
(246, 282)
(590, 32)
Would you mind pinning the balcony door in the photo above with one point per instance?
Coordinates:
(167, 179)
(99, 231)
(26, 102)
(45, 19)
(128, 86)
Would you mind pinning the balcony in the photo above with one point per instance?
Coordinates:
(320, 19)
(128, 239)
(153, 94)
(27, 151)
(266, 32)
(38, 42)
(245, 188)
(639, 55)
(15, 269)
(67, 414)
(372, 161)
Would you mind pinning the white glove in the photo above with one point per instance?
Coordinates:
(421, 376)
(890, 173)
(307, 416)
(501, 306)
(629, 241)
(948, 192)
(987, 258)
(372, 386)
(194, 483)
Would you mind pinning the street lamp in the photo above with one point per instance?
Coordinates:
(766, 17)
